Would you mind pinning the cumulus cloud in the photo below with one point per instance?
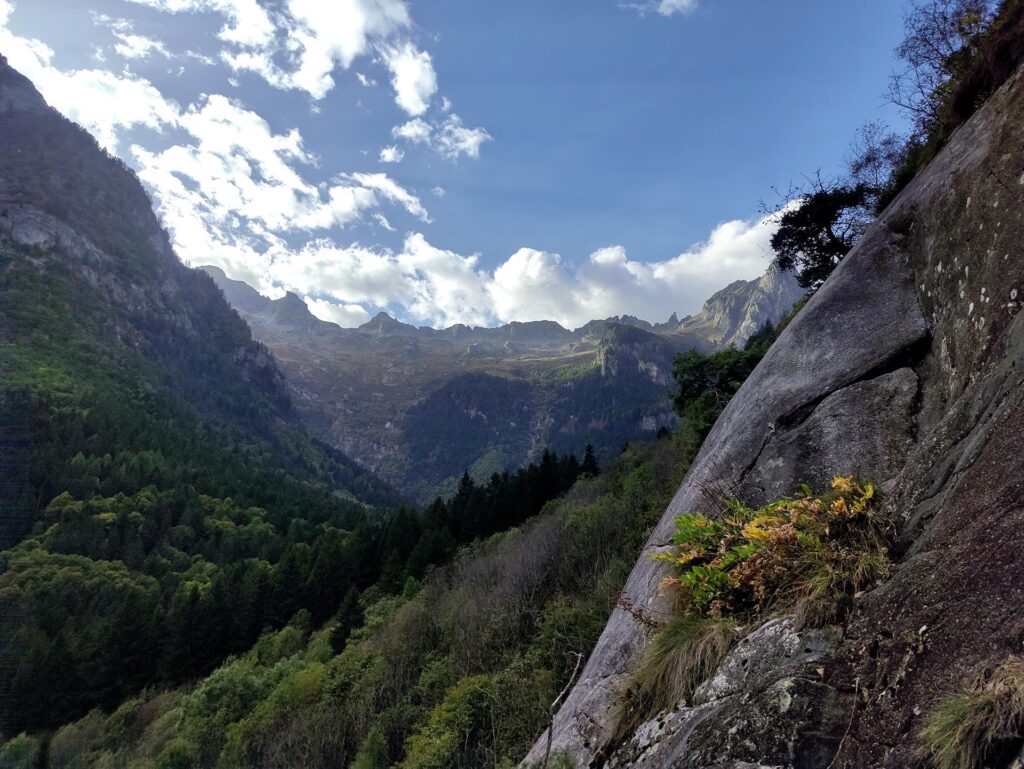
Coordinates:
(303, 41)
(103, 102)
(416, 131)
(232, 193)
(301, 44)
(412, 77)
(439, 287)
(449, 138)
(391, 154)
(536, 285)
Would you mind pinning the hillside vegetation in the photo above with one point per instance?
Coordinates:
(424, 661)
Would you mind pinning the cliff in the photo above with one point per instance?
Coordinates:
(906, 368)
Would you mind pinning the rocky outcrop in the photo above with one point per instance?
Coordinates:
(737, 312)
(907, 367)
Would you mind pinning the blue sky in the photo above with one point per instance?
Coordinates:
(467, 160)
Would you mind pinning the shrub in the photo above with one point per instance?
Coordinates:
(808, 553)
(21, 752)
(971, 728)
(811, 553)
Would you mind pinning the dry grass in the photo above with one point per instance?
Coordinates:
(681, 656)
(969, 728)
(824, 595)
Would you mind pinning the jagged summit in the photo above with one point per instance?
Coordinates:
(604, 383)
(734, 314)
(382, 323)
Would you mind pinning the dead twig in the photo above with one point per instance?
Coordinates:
(557, 704)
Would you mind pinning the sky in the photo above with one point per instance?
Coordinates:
(467, 161)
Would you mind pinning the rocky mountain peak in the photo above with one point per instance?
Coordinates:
(738, 311)
(382, 323)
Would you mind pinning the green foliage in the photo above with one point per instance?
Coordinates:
(21, 752)
(979, 725)
(815, 234)
(742, 565)
(955, 53)
(459, 672)
(809, 552)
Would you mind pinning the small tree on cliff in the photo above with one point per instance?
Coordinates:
(819, 228)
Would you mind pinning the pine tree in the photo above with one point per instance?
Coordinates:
(589, 466)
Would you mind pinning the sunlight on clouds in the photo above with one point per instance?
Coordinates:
(435, 286)
(300, 46)
(412, 77)
(345, 315)
(233, 194)
(101, 101)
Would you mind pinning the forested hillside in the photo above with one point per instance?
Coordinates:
(154, 469)
(481, 610)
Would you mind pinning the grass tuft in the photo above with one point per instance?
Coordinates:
(681, 656)
(968, 729)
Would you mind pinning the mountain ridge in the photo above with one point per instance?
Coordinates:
(368, 390)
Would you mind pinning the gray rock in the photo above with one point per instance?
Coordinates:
(865, 429)
(935, 286)
(759, 679)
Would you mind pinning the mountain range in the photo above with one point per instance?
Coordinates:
(420, 406)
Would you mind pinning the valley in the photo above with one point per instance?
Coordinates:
(420, 406)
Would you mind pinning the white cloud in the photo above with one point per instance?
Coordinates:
(416, 131)
(247, 23)
(345, 315)
(392, 191)
(392, 154)
(231, 194)
(439, 287)
(453, 139)
(450, 138)
(102, 102)
(383, 221)
(132, 46)
(412, 77)
(662, 7)
(533, 285)
(301, 43)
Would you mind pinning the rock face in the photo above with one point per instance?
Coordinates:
(738, 311)
(906, 367)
